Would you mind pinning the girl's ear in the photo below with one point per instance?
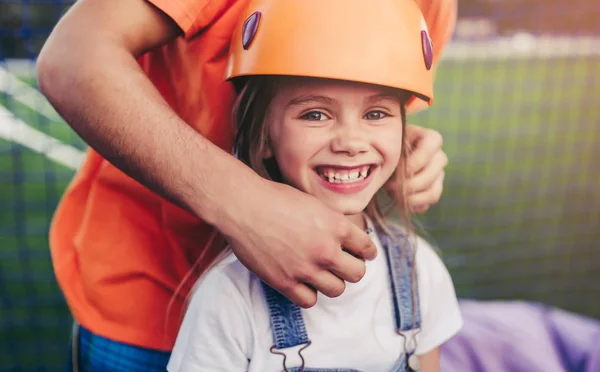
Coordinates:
(265, 136)
(268, 151)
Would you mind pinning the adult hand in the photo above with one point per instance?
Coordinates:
(424, 181)
(296, 244)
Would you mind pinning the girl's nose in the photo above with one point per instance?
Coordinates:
(350, 141)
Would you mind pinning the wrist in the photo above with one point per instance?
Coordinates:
(227, 197)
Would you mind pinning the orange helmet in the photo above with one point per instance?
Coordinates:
(383, 42)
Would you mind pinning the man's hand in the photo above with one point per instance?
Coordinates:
(425, 168)
(294, 243)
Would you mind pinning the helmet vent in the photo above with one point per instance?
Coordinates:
(427, 49)
(249, 29)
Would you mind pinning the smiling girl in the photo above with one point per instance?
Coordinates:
(324, 88)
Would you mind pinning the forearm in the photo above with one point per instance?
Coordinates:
(114, 107)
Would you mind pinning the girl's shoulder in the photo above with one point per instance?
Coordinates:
(229, 283)
(219, 322)
(229, 274)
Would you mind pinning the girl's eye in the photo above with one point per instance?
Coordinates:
(314, 116)
(375, 115)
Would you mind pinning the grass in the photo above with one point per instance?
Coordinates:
(518, 219)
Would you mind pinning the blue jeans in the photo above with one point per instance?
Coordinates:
(95, 353)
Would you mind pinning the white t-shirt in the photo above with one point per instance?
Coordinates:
(227, 325)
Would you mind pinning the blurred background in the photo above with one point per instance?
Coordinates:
(518, 104)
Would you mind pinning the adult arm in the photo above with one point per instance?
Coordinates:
(89, 72)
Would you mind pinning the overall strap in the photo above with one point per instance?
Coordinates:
(287, 322)
(400, 262)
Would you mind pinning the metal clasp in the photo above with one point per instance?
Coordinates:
(276, 351)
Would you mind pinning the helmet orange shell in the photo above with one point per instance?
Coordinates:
(383, 42)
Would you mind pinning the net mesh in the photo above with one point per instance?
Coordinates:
(516, 101)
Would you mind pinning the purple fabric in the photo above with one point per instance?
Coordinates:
(520, 336)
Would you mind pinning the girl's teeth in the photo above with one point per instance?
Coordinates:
(341, 177)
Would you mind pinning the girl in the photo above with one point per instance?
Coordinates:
(321, 107)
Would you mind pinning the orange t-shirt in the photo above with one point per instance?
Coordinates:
(119, 251)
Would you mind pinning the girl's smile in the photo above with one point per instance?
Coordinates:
(345, 179)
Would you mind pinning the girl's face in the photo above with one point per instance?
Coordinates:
(338, 141)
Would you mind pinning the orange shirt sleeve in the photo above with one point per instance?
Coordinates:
(193, 15)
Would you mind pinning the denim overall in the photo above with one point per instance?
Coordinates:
(288, 326)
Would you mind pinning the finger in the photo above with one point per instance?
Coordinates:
(328, 284)
(414, 133)
(429, 197)
(348, 267)
(300, 294)
(357, 242)
(424, 150)
(424, 180)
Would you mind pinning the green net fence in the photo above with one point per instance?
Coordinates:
(517, 101)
